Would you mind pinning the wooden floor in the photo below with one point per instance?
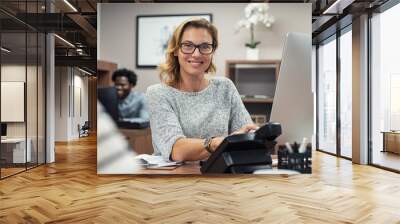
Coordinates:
(10, 171)
(386, 159)
(70, 191)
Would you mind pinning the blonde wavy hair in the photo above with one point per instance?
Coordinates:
(170, 70)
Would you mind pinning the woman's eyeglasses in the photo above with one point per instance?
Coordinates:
(189, 48)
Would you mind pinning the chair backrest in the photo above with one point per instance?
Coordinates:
(86, 125)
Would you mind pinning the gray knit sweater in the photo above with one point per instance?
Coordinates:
(215, 111)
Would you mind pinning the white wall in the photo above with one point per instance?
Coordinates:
(79, 117)
(117, 31)
(67, 115)
(61, 103)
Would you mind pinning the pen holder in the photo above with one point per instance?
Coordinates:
(295, 160)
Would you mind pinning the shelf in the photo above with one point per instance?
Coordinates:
(105, 70)
(256, 62)
(232, 67)
(255, 100)
(241, 66)
(254, 79)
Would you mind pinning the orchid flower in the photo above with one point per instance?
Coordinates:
(255, 13)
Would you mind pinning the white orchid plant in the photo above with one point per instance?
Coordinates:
(255, 13)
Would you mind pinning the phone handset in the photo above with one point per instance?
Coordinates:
(269, 131)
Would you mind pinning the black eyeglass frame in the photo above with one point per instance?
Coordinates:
(197, 46)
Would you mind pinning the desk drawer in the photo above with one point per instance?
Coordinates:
(392, 142)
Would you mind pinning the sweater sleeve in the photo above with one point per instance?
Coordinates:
(239, 116)
(165, 126)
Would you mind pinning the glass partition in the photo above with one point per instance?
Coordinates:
(41, 110)
(13, 114)
(22, 78)
(31, 97)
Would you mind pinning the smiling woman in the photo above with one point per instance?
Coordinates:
(182, 47)
(191, 113)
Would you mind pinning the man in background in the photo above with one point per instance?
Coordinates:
(131, 104)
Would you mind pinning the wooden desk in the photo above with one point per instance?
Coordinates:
(189, 168)
(139, 140)
(13, 150)
(391, 141)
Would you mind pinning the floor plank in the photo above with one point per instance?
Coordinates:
(386, 159)
(69, 191)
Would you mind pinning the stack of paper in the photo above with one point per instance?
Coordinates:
(150, 161)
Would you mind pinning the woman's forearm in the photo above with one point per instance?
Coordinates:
(189, 149)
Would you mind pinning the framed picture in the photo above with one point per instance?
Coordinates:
(152, 35)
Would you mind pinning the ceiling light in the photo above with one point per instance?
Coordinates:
(338, 6)
(86, 72)
(65, 41)
(79, 51)
(5, 50)
(70, 5)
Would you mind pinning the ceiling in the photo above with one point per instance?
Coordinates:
(77, 25)
(77, 22)
(330, 16)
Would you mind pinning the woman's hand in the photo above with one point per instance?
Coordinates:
(215, 142)
(245, 129)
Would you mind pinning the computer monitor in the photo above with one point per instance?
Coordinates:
(3, 130)
(293, 101)
(108, 98)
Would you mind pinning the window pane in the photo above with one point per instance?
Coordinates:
(345, 94)
(327, 97)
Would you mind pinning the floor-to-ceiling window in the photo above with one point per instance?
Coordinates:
(22, 79)
(334, 101)
(345, 60)
(327, 95)
(385, 88)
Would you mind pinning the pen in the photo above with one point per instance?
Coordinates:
(302, 148)
(289, 147)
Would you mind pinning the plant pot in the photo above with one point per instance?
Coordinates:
(252, 53)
